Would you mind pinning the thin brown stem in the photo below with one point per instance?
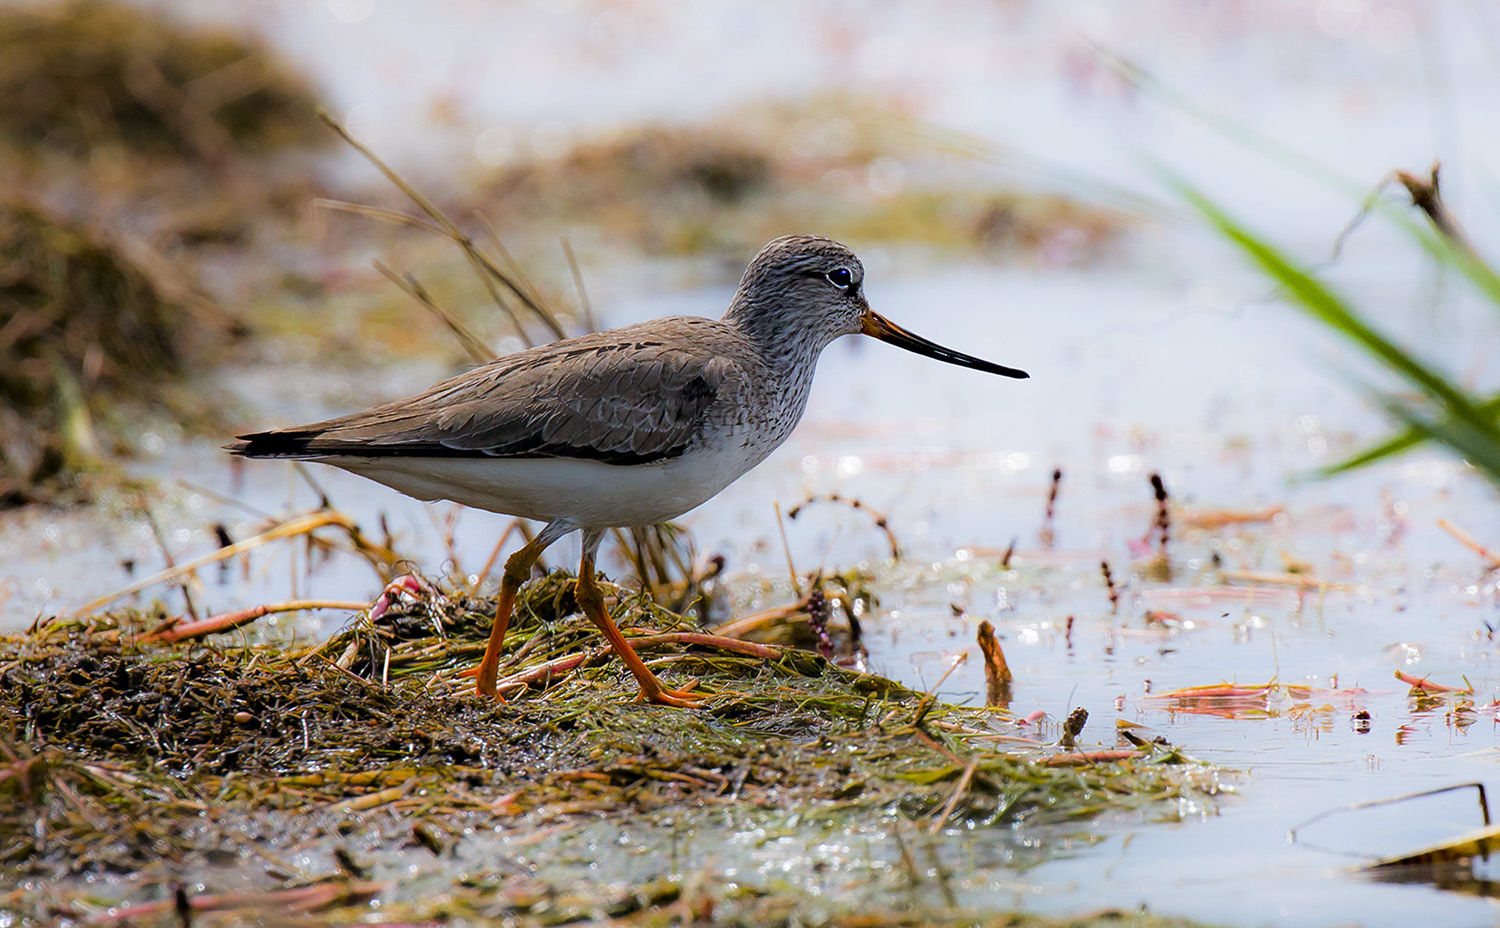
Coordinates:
(476, 348)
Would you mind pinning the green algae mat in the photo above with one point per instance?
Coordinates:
(358, 779)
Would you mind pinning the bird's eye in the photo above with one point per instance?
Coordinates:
(841, 277)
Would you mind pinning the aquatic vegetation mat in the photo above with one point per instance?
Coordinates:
(78, 75)
(87, 321)
(133, 149)
(155, 764)
(833, 167)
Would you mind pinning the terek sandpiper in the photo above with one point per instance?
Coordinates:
(628, 427)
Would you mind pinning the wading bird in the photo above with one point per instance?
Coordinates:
(628, 427)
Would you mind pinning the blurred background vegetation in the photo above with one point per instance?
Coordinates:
(164, 184)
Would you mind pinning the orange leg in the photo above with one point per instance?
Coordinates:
(591, 601)
(517, 570)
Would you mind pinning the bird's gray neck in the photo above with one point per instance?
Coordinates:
(788, 353)
(788, 345)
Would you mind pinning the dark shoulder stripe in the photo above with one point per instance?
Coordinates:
(274, 445)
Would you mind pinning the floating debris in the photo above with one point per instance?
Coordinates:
(1252, 701)
(1047, 535)
(997, 675)
(1211, 519)
(1424, 686)
(1109, 584)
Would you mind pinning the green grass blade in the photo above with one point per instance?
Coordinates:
(1470, 265)
(1479, 273)
(1464, 425)
(1322, 304)
(1481, 449)
(1243, 134)
(1404, 440)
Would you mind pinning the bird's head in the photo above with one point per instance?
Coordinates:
(804, 291)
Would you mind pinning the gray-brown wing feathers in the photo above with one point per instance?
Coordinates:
(618, 399)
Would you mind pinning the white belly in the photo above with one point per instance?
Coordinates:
(588, 494)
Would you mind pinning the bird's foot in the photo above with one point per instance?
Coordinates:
(480, 690)
(682, 699)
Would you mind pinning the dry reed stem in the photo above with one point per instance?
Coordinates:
(301, 899)
(478, 351)
(738, 628)
(1278, 578)
(786, 548)
(489, 272)
(393, 216)
(1427, 686)
(372, 800)
(879, 518)
(958, 790)
(561, 665)
(301, 525)
(1492, 560)
(748, 648)
(930, 696)
(177, 630)
(543, 673)
(1089, 758)
(584, 304)
(1210, 519)
(516, 525)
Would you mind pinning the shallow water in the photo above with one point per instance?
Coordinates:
(1170, 359)
(961, 464)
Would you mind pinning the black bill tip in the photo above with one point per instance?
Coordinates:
(877, 326)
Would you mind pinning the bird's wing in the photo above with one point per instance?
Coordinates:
(628, 396)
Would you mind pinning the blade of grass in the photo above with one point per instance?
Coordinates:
(589, 322)
(1444, 248)
(1322, 304)
(394, 217)
(1480, 449)
(1402, 441)
(1466, 426)
(299, 525)
(1150, 86)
